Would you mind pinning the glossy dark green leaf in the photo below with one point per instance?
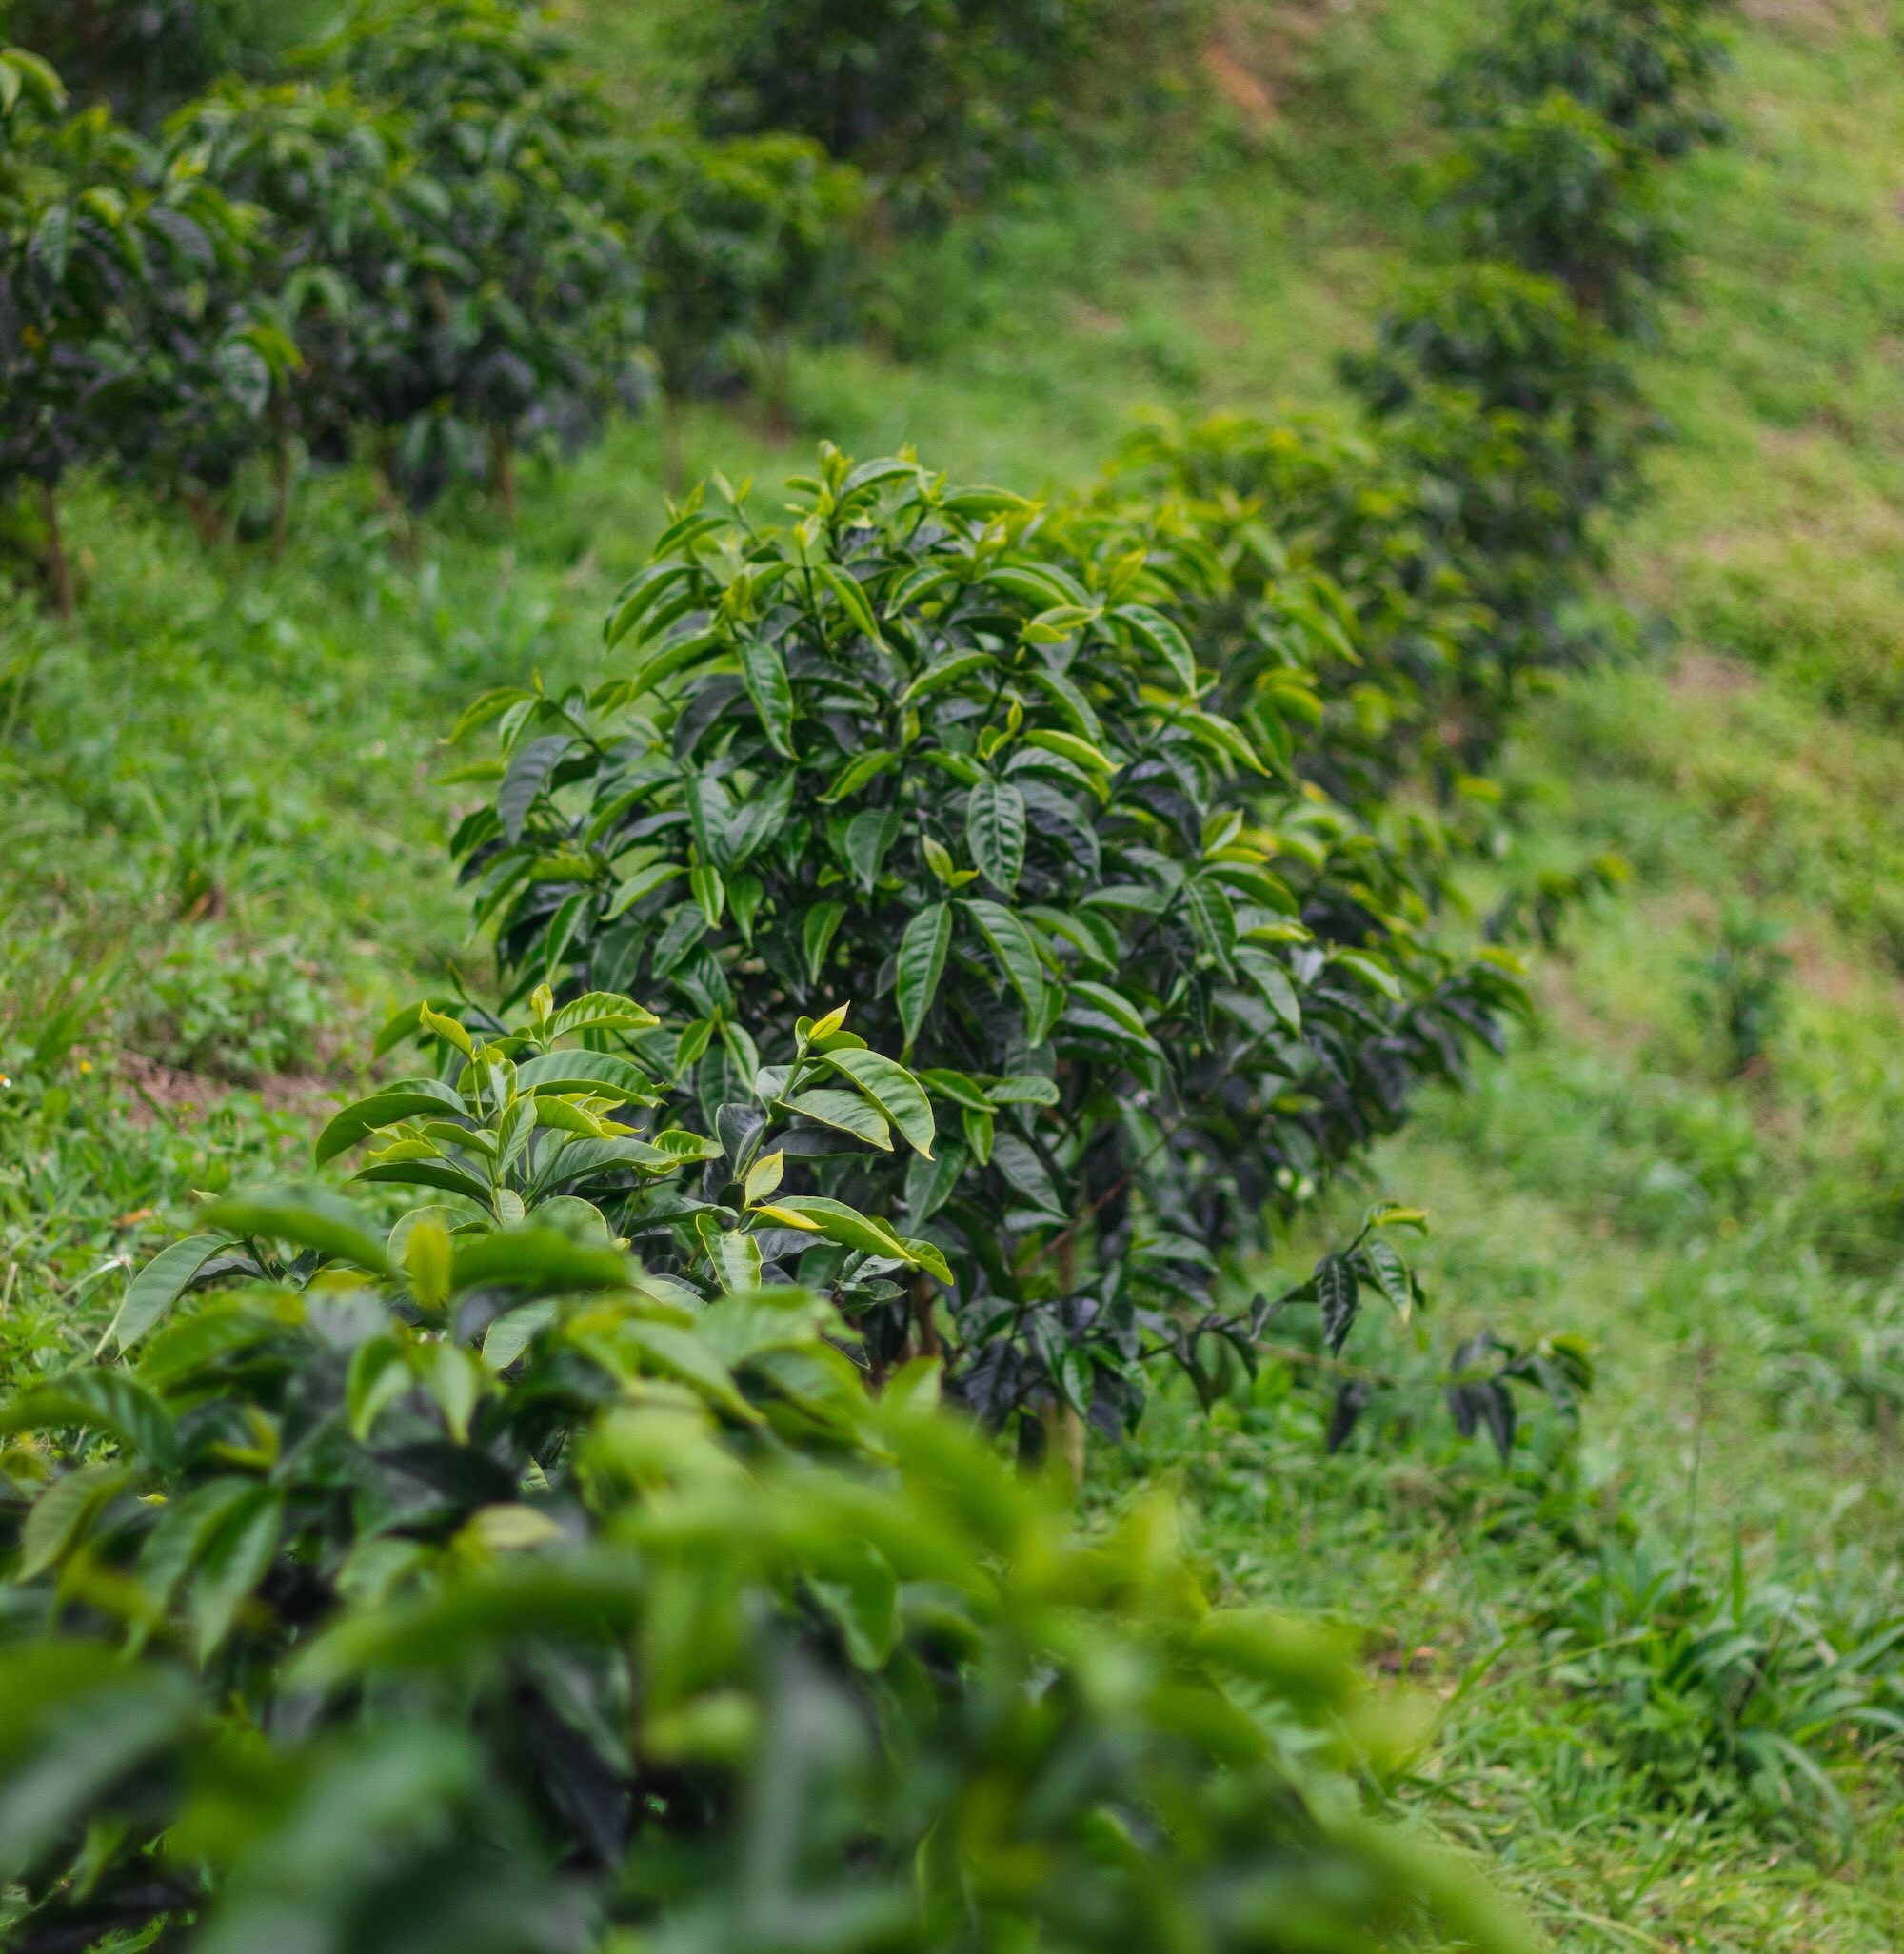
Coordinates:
(995, 832)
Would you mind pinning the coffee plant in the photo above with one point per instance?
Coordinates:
(1411, 561)
(467, 1584)
(738, 242)
(937, 98)
(123, 336)
(347, 247)
(1647, 67)
(140, 57)
(1556, 189)
(935, 757)
(517, 319)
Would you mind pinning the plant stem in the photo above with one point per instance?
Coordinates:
(502, 469)
(59, 570)
(281, 489)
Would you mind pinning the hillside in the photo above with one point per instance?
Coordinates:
(227, 863)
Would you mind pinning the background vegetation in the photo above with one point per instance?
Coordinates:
(1657, 1664)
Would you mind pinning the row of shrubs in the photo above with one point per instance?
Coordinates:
(1032, 906)
(426, 243)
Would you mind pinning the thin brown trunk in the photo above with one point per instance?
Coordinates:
(281, 490)
(923, 1298)
(502, 469)
(403, 531)
(1064, 1428)
(777, 391)
(208, 518)
(59, 569)
(1064, 1446)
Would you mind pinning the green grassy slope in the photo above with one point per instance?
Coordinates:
(225, 860)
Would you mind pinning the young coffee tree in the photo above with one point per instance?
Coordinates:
(116, 326)
(350, 216)
(935, 98)
(467, 1585)
(1553, 187)
(141, 58)
(1400, 558)
(520, 320)
(920, 757)
(1647, 67)
(736, 240)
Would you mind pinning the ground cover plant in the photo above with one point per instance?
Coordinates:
(1623, 1626)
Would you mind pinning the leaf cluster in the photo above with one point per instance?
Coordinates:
(937, 100)
(121, 320)
(471, 1582)
(948, 757)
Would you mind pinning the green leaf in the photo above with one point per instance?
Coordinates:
(763, 1177)
(817, 932)
(443, 1175)
(639, 596)
(1372, 970)
(764, 673)
(857, 772)
(607, 1074)
(409, 1099)
(313, 1218)
(869, 834)
(512, 1333)
(958, 1087)
(734, 1258)
(946, 671)
(1010, 942)
(1336, 1295)
(845, 1112)
(544, 1259)
(232, 1564)
(711, 893)
(847, 1226)
(995, 832)
(159, 1285)
(1069, 746)
(1020, 1165)
(63, 1514)
(601, 1011)
(1391, 1276)
(1025, 1089)
(455, 1380)
(1117, 1007)
(861, 1594)
(1160, 635)
(922, 962)
(529, 769)
(1212, 920)
(1222, 737)
(645, 882)
(1278, 989)
(854, 600)
(893, 1090)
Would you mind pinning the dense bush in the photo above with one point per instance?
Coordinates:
(352, 216)
(738, 242)
(935, 755)
(937, 97)
(1552, 187)
(140, 57)
(122, 324)
(472, 1586)
(1647, 67)
(518, 320)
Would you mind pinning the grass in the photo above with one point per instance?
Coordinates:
(225, 860)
